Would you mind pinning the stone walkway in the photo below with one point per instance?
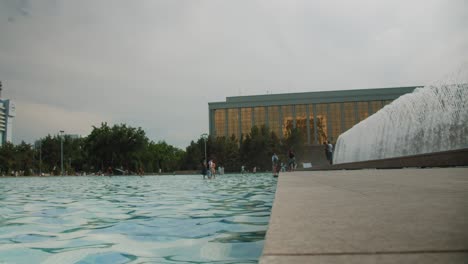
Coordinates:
(370, 216)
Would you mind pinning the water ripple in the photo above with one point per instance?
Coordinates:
(160, 219)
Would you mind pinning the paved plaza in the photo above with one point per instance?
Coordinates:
(370, 216)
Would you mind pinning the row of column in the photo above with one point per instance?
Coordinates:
(314, 111)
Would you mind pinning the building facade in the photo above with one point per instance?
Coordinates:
(7, 114)
(319, 116)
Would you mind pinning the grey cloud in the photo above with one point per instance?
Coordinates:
(156, 64)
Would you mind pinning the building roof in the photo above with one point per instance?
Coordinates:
(313, 97)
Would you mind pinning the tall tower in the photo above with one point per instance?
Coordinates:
(3, 118)
(7, 114)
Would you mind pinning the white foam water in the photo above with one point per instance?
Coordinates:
(431, 119)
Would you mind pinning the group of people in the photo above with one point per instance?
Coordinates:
(209, 169)
(244, 170)
(277, 166)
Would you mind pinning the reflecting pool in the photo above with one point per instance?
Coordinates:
(131, 219)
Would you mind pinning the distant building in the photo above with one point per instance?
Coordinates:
(7, 114)
(73, 136)
(319, 116)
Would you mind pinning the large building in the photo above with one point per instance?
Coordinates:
(7, 114)
(319, 116)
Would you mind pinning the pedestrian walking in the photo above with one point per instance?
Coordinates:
(330, 152)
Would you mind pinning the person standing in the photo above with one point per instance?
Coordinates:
(275, 168)
(213, 169)
(292, 160)
(330, 152)
(208, 169)
(204, 170)
(326, 151)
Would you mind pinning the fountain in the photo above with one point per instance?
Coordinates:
(431, 119)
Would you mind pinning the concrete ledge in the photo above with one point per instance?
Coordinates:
(441, 257)
(369, 216)
(449, 158)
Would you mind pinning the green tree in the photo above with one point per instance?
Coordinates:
(47, 154)
(257, 148)
(295, 141)
(232, 161)
(24, 158)
(194, 154)
(165, 157)
(51, 154)
(118, 146)
(74, 155)
(7, 158)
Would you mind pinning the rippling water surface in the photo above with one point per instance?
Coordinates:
(129, 219)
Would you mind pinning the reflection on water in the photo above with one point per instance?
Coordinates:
(152, 219)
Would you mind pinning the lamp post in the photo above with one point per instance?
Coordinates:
(61, 149)
(40, 157)
(205, 136)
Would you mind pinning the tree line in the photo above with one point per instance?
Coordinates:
(128, 149)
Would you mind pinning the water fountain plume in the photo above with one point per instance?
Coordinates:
(431, 119)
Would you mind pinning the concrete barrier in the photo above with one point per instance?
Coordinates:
(449, 158)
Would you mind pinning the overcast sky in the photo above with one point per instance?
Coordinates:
(70, 65)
